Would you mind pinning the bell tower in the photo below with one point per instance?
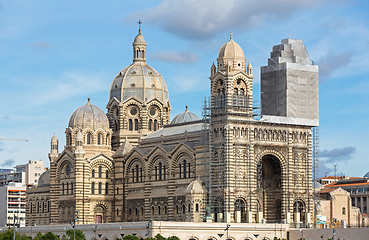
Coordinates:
(231, 108)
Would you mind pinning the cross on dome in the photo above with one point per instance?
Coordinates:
(230, 34)
(139, 26)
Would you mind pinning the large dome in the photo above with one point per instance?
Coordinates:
(139, 80)
(89, 116)
(231, 50)
(184, 117)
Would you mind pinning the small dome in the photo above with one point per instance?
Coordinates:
(44, 179)
(186, 116)
(139, 39)
(54, 139)
(366, 175)
(194, 187)
(89, 116)
(231, 50)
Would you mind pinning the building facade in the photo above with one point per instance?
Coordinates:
(28, 173)
(13, 205)
(133, 164)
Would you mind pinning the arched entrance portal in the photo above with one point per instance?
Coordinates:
(240, 208)
(269, 182)
(100, 214)
(299, 211)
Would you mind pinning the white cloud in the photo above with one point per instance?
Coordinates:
(195, 19)
(174, 56)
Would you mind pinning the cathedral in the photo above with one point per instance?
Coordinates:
(133, 163)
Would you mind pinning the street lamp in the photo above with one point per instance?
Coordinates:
(33, 224)
(94, 228)
(227, 230)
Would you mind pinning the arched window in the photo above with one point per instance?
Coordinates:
(88, 138)
(100, 187)
(189, 169)
(63, 188)
(92, 188)
(159, 210)
(177, 209)
(71, 188)
(164, 172)
(70, 139)
(130, 125)
(343, 211)
(137, 175)
(117, 190)
(136, 124)
(106, 174)
(99, 138)
(180, 170)
(183, 209)
(235, 97)
(136, 211)
(67, 188)
(141, 176)
(184, 169)
(152, 210)
(197, 207)
(133, 175)
(93, 173)
(117, 212)
(160, 172)
(150, 125)
(156, 173)
(106, 188)
(142, 54)
(100, 172)
(156, 125)
(165, 210)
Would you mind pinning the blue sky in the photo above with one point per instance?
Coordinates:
(56, 54)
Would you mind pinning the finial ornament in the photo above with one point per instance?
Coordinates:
(186, 108)
(88, 99)
(230, 34)
(139, 26)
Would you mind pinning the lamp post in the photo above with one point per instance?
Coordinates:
(302, 234)
(227, 230)
(33, 224)
(94, 228)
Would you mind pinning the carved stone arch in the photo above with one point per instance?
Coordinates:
(212, 237)
(101, 161)
(63, 162)
(130, 103)
(183, 152)
(274, 153)
(103, 204)
(155, 156)
(132, 162)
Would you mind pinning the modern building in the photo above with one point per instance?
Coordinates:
(133, 164)
(13, 206)
(25, 173)
(4, 176)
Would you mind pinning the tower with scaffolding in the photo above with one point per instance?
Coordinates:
(260, 168)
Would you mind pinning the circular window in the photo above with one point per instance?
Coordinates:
(152, 111)
(68, 170)
(133, 111)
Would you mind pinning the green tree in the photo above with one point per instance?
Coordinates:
(173, 238)
(8, 235)
(46, 236)
(130, 237)
(69, 235)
